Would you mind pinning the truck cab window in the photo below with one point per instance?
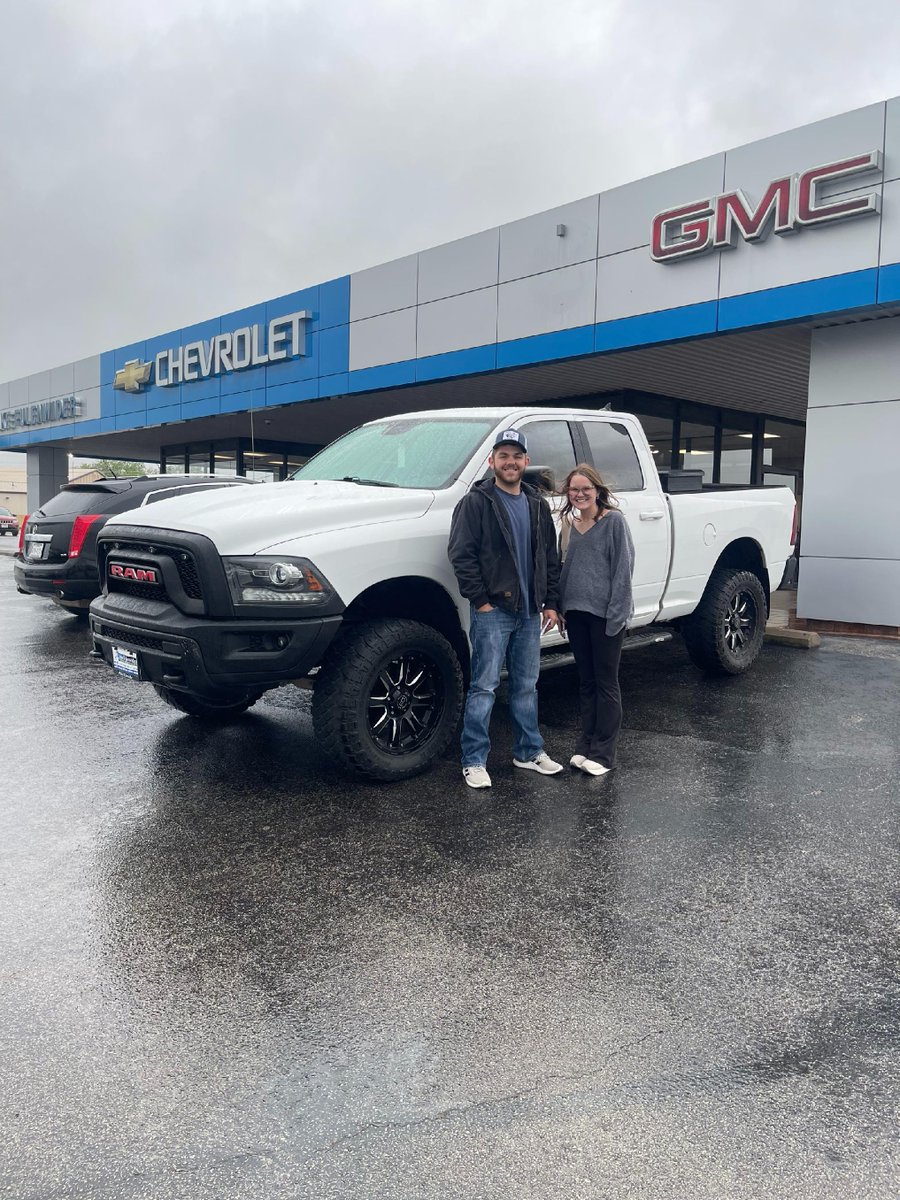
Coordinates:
(550, 449)
(614, 456)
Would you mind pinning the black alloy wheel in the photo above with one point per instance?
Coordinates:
(740, 620)
(388, 697)
(725, 632)
(405, 704)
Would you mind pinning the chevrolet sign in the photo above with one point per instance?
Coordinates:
(252, 346)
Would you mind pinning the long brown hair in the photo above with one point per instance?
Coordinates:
(605, 498)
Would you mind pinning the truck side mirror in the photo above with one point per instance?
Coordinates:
(540, 477)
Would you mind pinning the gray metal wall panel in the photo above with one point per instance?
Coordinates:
(545, 303)
(532, 245)
(38, 387)
(383, 289)
(86, 373)
(631, 283)
(890, 223)
(385, 339)
(840, 589)
(808, 254)
(462, 266)
(62, 381)
(855, 364)
(18, 392)
(892, 139)
(851, 501)
(753, 166)
(457, 322)
(627, 212)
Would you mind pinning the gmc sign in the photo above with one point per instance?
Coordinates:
(133, 574)
(787, 205)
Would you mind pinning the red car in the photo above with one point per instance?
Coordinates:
(9, 522)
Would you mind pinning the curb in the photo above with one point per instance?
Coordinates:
(803, 639)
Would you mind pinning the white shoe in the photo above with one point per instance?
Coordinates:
(476, 777)
(542, 763)
(576, 760)
(593, 768)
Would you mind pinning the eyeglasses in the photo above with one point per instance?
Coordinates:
(582, 491)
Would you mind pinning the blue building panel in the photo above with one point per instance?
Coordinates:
(473, 361)
(307, 299)
(793, 302)
(544, 347)
(670, 325)
(334, 303)
(334, 350)
(374, 378)
(889, 284)
(293, 392)
(334, 385)
(255, 398)
(163, 415)
(137, 350)
(199, 407)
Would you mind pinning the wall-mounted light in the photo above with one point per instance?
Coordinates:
(561, 231)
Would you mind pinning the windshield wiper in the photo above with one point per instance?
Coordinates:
(369, 482)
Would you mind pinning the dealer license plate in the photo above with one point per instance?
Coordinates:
(126, 661)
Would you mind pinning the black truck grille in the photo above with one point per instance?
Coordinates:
(131, 639)
(184, 562)
(189, 576)
(145, 591)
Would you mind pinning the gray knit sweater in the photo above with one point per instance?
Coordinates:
(596, 574)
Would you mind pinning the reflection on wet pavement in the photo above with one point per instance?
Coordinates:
(231, 972)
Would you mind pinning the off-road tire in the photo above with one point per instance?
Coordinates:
(706, 630)
(206, 710)
(349, 679)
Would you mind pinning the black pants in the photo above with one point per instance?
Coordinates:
(597, 658)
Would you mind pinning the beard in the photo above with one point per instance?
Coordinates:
(508, 473)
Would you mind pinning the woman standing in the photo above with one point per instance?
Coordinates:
(595, 603)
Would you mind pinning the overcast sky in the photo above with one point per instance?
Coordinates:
(166, 162)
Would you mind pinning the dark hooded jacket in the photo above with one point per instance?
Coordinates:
(481, 550)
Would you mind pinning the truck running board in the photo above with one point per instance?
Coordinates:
(562, 656)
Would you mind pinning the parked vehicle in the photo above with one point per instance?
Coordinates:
(57, 555)
(340, 576)
(9, 522)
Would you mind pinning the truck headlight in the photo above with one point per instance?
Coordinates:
(270, 579)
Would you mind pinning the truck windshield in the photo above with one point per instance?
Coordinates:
(412, 452)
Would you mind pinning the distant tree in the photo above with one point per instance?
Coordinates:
(115, 468)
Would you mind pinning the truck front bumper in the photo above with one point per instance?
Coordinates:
(207, 657)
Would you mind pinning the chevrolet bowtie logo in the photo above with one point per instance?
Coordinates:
(132, 376)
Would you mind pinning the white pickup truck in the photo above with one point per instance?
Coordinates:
(339, 579)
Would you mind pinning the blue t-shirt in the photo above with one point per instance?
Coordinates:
(520, 524)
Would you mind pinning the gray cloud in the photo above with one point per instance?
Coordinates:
(165, 163)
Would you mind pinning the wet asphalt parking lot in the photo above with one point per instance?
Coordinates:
(228, 971)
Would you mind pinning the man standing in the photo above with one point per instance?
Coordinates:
(504, 552)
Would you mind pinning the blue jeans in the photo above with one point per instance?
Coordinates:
(495, 636)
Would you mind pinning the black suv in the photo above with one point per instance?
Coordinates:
(57, 555)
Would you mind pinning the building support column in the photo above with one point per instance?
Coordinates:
(48, 470)
(849, 544)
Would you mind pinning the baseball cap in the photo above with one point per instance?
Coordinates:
(511, 437)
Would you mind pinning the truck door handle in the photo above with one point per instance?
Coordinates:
(653, 515)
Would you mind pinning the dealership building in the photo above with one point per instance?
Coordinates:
(745, 307)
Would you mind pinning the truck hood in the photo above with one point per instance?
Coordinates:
(249, 520)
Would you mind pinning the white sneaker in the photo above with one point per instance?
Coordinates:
(476, 777)
(542, 763)
(593, 768)
(576, 760)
